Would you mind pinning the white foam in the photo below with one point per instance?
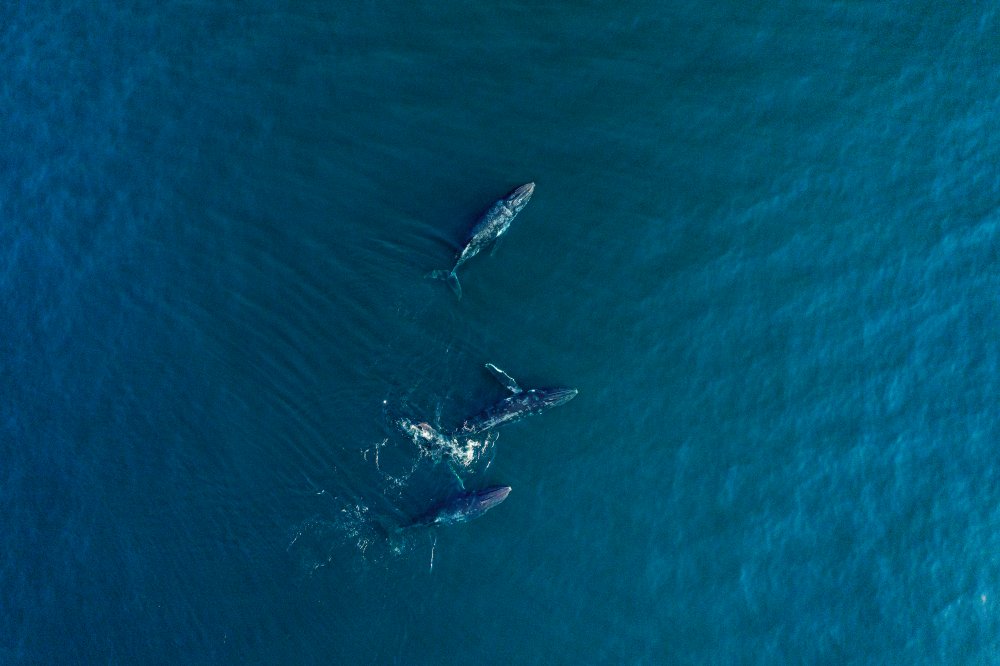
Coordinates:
(464, 452)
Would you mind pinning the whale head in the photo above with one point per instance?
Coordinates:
(558, 396)
(489, 498)
(519, 197)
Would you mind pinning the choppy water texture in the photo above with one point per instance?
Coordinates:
(763, 246)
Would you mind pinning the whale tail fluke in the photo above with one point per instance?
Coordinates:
(451, 277)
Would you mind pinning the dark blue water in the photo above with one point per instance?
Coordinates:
(763, 246)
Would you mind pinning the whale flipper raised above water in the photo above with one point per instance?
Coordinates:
(504, 378)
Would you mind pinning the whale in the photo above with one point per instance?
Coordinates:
(490, 227)
(519, 404)
(462, 507)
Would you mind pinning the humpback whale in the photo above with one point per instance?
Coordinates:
(488, 230)
(462, 507)
(520, 403)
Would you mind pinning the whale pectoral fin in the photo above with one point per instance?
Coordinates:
(496, 244)
(503, 378)
(458, 477)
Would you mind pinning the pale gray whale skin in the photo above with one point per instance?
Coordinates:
(462, 507)
(515, 406)
(491, 226)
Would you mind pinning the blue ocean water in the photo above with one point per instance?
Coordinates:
(763, 246)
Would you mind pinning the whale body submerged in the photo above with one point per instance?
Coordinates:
(462, 507)
(491, 226)
(521, 403)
